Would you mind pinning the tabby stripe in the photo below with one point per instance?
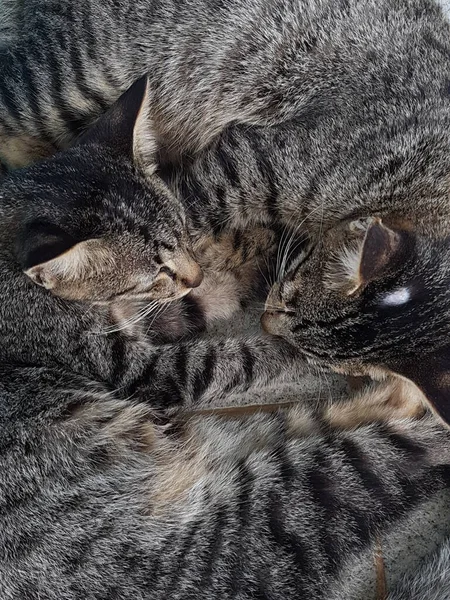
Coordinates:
(321, 487)
(407, 446)
(287, 472)
(220, 217)
(213, 548)
(119, 356)
(180, 560)
(9, 97)
(204, 374)
(89, 38)
(248, 363)
(84, 88)
(245, 483)
(371, 482)
(146, 376)
(181, 368)
(56, 79)
(228, 165)
(288, 541)
(31, 91)
(268, 173)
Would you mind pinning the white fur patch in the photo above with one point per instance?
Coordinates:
(397, 298)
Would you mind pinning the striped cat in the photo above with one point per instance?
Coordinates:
(339, 117)
(97, 501)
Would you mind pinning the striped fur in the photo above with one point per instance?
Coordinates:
(338, 113)
(430, 582)
(99, 502)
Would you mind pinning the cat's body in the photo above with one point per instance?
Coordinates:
(365, 64)
(98, 502)
(355, 104)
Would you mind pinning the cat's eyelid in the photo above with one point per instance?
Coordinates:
(397, 297)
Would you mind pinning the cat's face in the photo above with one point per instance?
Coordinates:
(94, 227)
(83, 242)
(371, 298)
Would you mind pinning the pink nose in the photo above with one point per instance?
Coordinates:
(193, 280)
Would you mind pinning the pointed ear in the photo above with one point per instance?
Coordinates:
(41, 241)
(371, 250)
(431, 374)
(84, 259)
(127, 127)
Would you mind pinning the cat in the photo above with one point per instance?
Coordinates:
(101, 277)
(345, 108)
(98, 501)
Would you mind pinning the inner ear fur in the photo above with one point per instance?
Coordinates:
(431, 374)
(84, 259)
(128, 128)
(371, 249)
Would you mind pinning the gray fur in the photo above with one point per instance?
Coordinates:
(354, 102)
(430, 582)
(98, 502)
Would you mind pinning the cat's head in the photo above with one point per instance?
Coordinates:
(94, 225)
(372, 298)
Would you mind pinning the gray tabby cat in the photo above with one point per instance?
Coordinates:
(354, 100)
(99, 502)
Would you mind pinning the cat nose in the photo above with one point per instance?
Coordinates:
(194, 279)
(185, 269)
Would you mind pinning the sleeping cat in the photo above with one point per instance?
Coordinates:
(341, 112)
(102, 275)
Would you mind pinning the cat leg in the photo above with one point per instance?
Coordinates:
(391, 399)
(204, 371)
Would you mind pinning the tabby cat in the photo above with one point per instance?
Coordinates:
(98, 502)
(341, 111)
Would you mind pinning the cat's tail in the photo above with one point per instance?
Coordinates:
(430, 582)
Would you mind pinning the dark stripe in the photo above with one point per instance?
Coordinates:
(180, 560)
(8, 83)
(371, 482)
(246, 481)
(288, 541)
(212, 550)
(407, 446)
(228, 165)
(248, 363)
(287, 472)
(181, 367)
(145, 378)
(80, 82)
(204, 376)
(321, 487)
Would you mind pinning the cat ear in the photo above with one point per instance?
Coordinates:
(431, 374)
(371, 250)
(84, 259)
(127, 127)
(49, 255)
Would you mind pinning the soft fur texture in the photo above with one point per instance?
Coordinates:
(99, 502)
(340, 113)
(430, 582)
